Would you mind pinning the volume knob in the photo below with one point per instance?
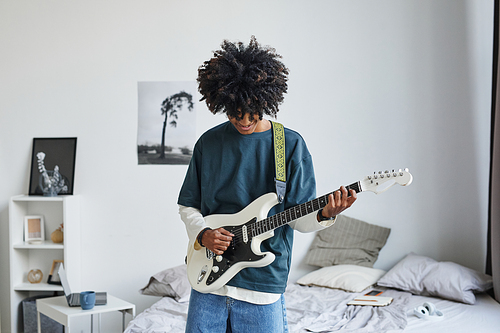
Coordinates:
(215, 269)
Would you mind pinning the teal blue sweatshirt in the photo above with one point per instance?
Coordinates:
(229, 170)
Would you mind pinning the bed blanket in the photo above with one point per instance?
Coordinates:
(309, 309)
(166, 315)
(316, 309)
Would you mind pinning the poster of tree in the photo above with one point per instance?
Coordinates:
(167, 122)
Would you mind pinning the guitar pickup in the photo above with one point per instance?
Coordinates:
(245, 233)
(210, 254)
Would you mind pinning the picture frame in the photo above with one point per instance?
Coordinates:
(53, 276)
(34, 229)
(52, 166)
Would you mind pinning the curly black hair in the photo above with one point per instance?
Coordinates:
(243, 79)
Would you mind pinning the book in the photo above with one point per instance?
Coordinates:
(371, 301)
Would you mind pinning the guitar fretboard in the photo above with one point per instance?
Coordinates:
(273, 222)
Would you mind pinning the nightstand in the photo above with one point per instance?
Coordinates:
(57, 308)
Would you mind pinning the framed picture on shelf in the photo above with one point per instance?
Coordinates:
(52, 166)
(34, 229)
(53, 276)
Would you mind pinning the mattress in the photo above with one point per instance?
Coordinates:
(317, 309)
(482, 317)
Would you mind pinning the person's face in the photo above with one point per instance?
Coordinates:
(248, 125)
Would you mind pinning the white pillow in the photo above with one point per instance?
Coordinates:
(351, 278)
(171, 282)
(427, 277)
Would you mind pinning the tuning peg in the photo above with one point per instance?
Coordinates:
(407, 170)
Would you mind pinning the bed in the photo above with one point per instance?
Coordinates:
(427, 295)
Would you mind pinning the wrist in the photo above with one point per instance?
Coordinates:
(321, 217)
(200, 236)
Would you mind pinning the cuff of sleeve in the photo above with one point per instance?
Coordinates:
(329, 222)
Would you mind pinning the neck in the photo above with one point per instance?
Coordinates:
(263, 125)
(291, 214)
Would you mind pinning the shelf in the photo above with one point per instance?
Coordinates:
(24, 197)
(42, 286)
(45, 245)
(23, 256)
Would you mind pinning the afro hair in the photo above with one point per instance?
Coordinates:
(243, 79)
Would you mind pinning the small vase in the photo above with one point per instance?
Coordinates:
(57, 236)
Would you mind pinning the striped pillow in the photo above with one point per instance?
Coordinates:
(347, 242)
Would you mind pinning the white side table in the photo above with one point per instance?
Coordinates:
(57, 308)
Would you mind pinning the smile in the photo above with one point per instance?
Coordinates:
(247, 127)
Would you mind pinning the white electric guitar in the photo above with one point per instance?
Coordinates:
(208, 272)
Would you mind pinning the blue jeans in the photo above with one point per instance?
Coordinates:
(210, 313)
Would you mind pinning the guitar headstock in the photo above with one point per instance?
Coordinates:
(382, 181)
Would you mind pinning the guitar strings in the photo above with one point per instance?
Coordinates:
(281, 218)
(273, 222)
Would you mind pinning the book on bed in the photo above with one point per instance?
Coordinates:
(371, 301)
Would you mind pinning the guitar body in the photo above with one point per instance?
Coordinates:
(208, 272)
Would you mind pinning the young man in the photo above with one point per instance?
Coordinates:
(232, 165)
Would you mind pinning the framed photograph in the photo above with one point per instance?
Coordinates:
(166, 132)
(53, 276)
(34, 229)
(52, 166)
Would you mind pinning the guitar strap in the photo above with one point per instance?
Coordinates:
(279, 160)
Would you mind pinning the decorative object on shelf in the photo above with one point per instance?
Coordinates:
(58, 235)
(52, 166)
(34, 229)
(53, 276)
(35, 276)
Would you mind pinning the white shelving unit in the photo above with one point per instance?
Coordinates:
(25, 257)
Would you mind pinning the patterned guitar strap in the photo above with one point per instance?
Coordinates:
(279, 160)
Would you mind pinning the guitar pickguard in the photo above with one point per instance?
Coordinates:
(240, 250)
(208, 272)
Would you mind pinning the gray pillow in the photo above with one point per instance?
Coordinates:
(171, 282)
(427, 277)
(348, 241)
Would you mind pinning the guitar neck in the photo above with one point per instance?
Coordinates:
(296, 212)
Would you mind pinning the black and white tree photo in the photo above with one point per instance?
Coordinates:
(167, 122)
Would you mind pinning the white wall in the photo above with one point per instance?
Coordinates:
(374, 85)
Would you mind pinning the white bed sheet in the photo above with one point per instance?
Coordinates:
(168, 315)
(317, 309)
(482, 317)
